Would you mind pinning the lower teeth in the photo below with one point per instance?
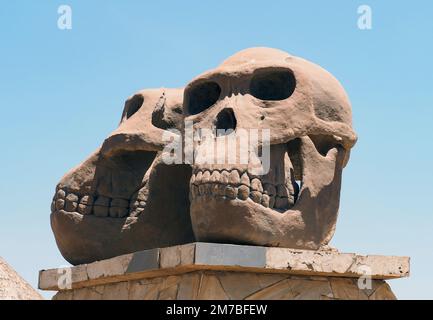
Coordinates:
(277, 201)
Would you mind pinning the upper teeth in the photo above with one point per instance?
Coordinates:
(241, 185)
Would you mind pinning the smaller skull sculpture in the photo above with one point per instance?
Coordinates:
(124, 198)
(309, 116)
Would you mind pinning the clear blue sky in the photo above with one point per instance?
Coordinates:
(62, 92)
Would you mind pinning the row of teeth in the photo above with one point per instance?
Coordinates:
(236, 185)
(99, 206)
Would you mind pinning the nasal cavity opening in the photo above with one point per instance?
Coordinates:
(225, 122)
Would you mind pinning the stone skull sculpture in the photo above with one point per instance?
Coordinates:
(125, 198)
(295, 204)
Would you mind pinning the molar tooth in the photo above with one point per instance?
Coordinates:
(87, 200)
(82, 209)
(71, 206)
(134, 205)
(231, 192)
(225, 176)
(71, 202)
(256, 196)
(72, 197)
(256, 185)
(143, 194)
(243, 192)
(270, 189)
(206, 177)
(265, 200)
(60, 194)
(245, 179)
(60, 204)
(86, 205)
(142, 204)
(136, 212)
(198, 177)
(234, 177)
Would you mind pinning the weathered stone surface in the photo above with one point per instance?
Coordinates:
(383, 292)
(13, 286)
(329, 262)
(210, 288)
(228, 285)
(189, 286)
(172, 257)
(310, 289)
(346, 289)
(58, 278)
(110, 267)
(65, 295)
(145, 290)
(281, 291)
(88, 293)
(230, 255)
(116, 291)
(203, 256)
(266, 280)
(169, 288)
(239, 285)
(144, 260)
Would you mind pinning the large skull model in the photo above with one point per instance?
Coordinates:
(309, 116)
(125, 198)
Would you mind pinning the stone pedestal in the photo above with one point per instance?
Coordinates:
(221, 271)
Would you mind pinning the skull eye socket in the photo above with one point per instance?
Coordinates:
(273, 85)
(133, 105)
(202, 96)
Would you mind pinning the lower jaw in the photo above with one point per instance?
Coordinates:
(245, 222)
(234, 221)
